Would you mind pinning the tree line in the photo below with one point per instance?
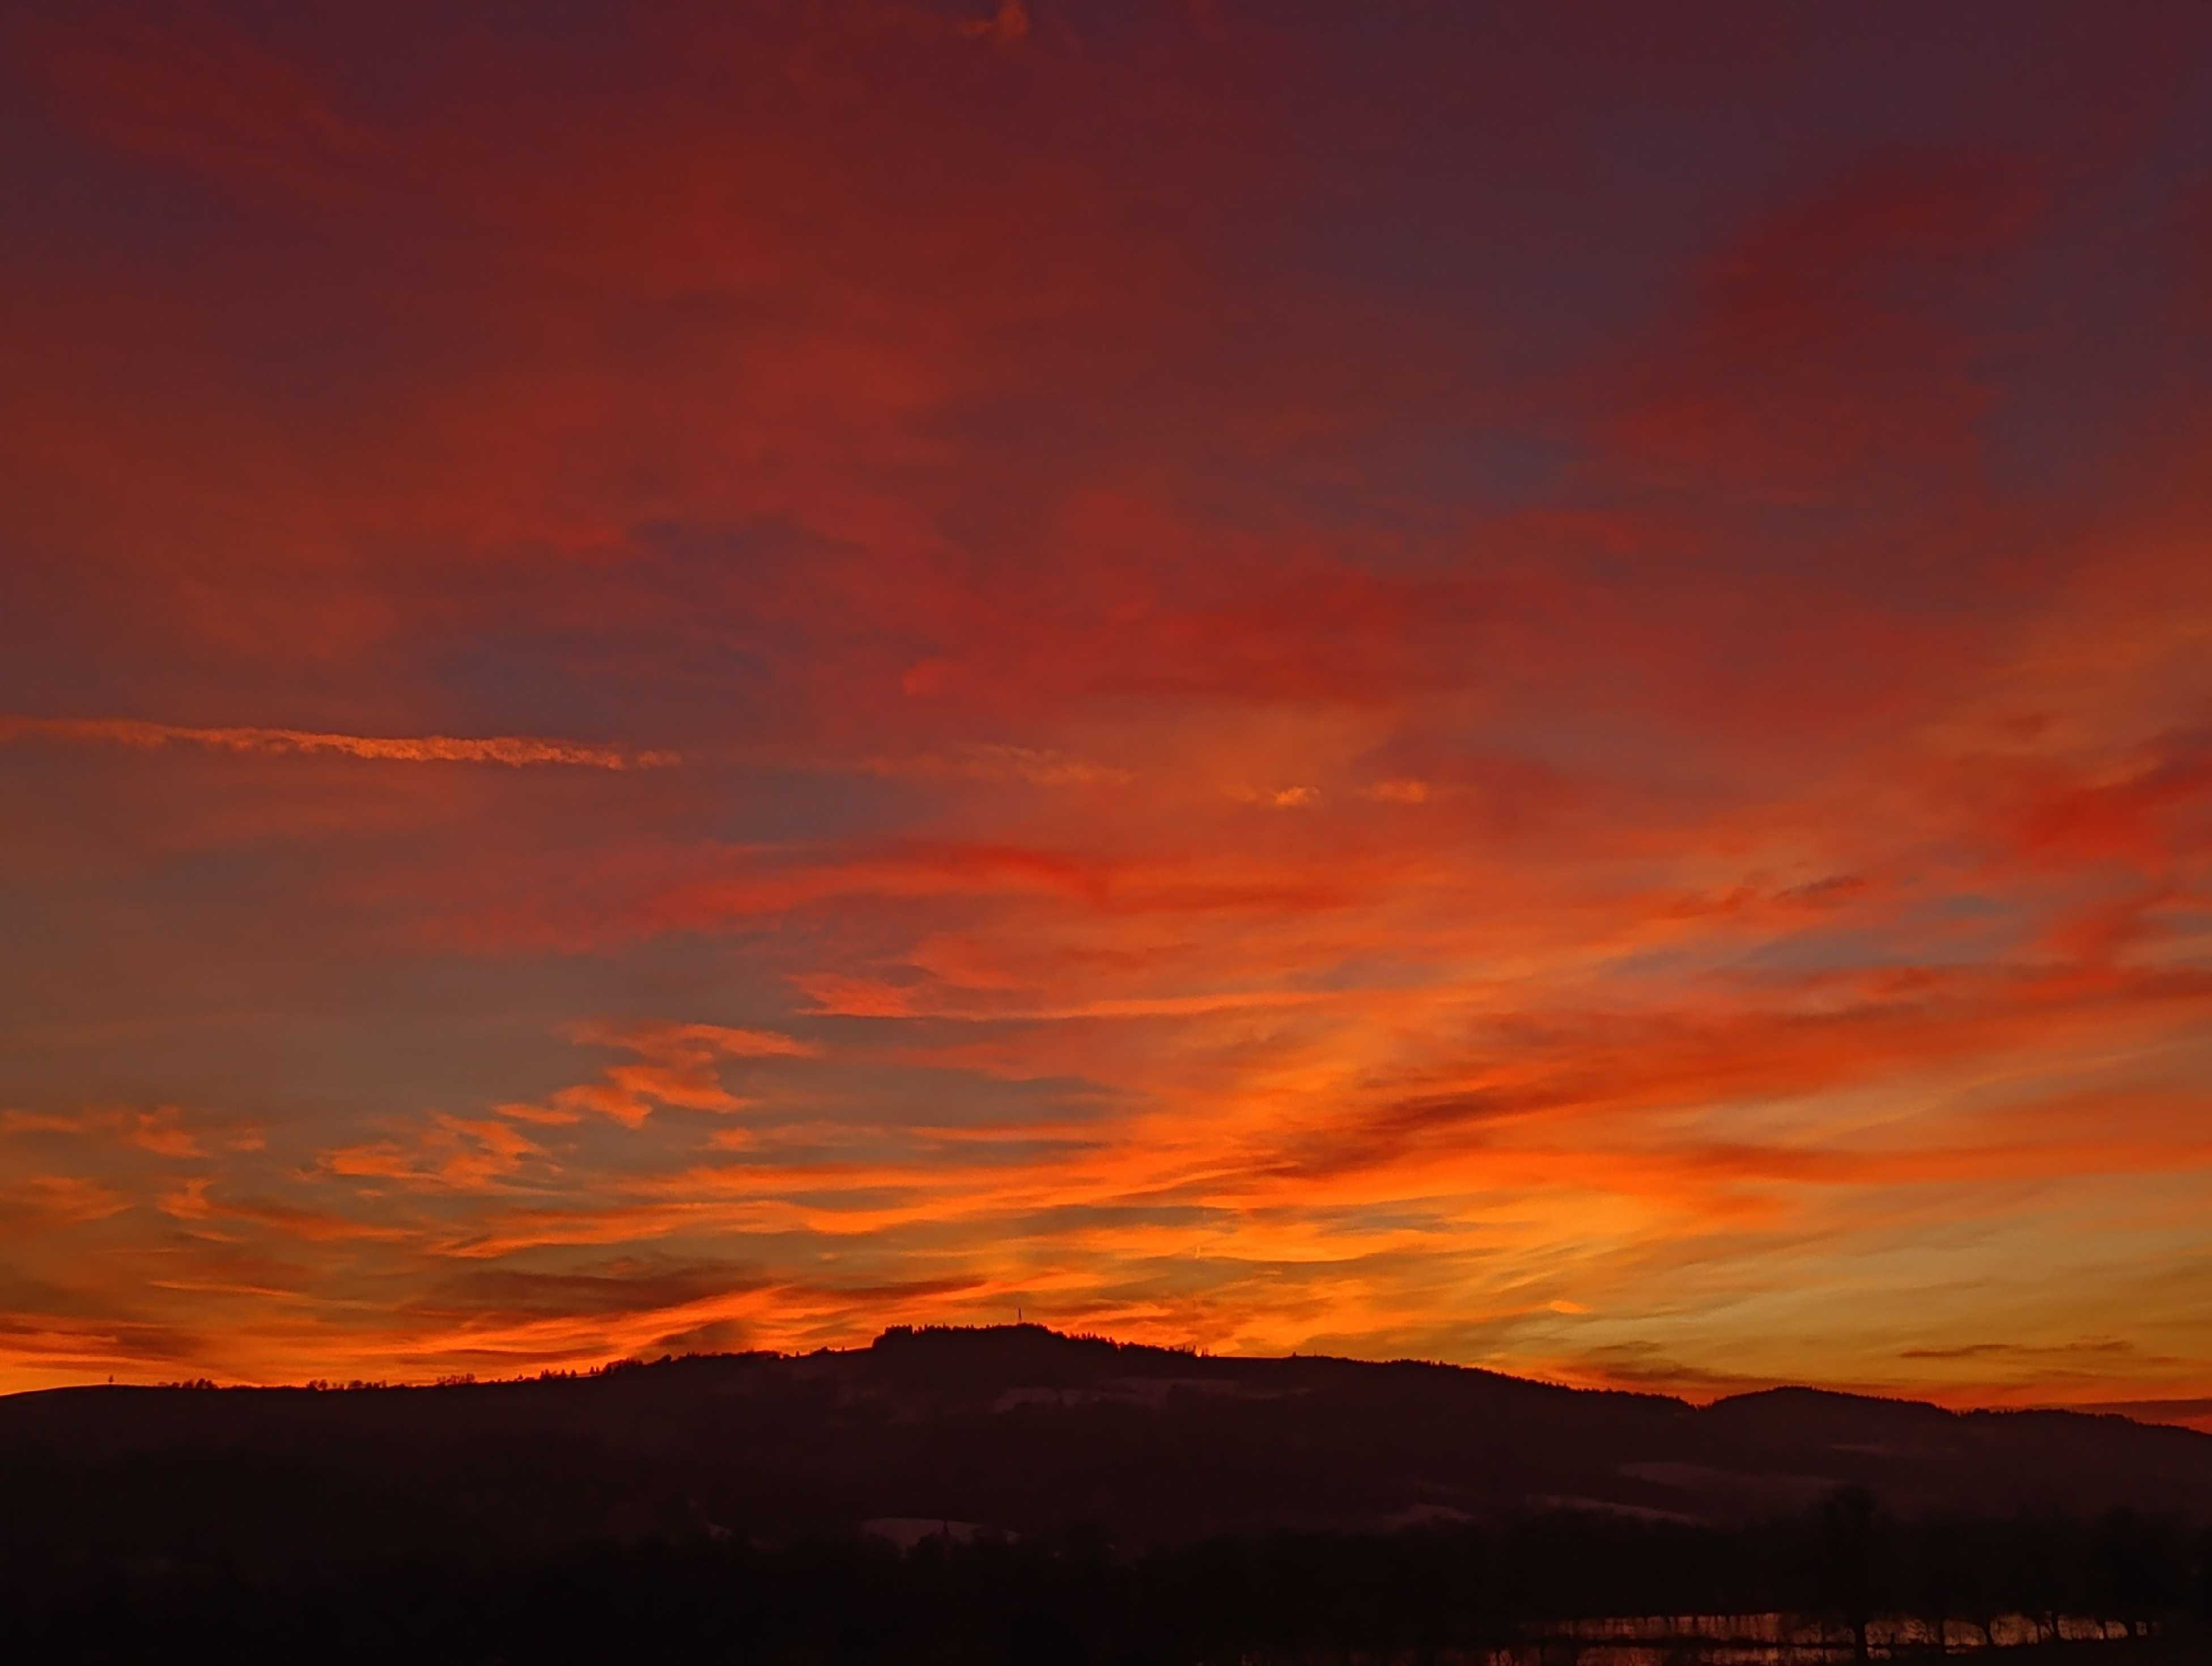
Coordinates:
(684, 1589)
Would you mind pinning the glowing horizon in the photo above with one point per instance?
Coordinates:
(1288, 679)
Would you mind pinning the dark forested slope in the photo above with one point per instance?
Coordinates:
(1022, 1430)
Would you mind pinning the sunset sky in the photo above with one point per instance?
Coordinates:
(1530, 684)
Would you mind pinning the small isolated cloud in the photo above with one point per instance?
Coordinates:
(855, 997)
(676, 1065)
(1278, 798)
(1401, 789)
(162, 1131)
(188, 1202)
(453, 1152)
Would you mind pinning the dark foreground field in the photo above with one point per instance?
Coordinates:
(1431, 1596)
(1017, 1496)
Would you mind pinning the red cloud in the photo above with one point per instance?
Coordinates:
(1531, 695)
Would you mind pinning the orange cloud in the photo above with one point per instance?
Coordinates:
(679, 1065)
(461, 1154)
(1303, 721)
(46, 1203)
(507, 750)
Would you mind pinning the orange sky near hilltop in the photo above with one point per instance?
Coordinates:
(1435, 681)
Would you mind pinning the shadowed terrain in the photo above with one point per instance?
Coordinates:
(1015, 1495)
(1024, 1431)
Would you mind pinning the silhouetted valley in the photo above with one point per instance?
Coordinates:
(1011, 1494)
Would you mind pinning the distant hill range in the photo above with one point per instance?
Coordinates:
(1021, 1430)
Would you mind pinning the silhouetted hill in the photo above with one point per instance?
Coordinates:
(1020, 1429)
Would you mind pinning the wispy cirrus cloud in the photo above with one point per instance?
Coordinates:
(514, 751)
(1303, 721)
(677, 1065)
(985, 762)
